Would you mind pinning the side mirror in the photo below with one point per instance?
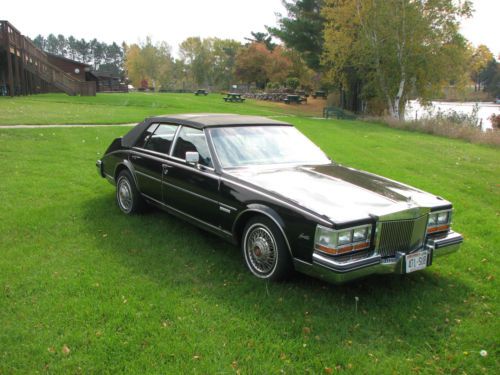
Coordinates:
(192, 157)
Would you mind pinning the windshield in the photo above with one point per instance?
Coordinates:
(260, 145)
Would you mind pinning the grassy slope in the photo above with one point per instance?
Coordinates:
(152, 294)
(116, 108)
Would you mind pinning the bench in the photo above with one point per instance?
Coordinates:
(201, 92)
(329, 112)
(320, 94)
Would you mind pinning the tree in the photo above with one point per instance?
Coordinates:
(480, 57)
(259, 37)
(150, 62)
(397, 47)
(52, 44)
(196, 54)
(40, 42)
(278, 65)
(224, 53)
(490, 76)
(302, 29)
(251, 64)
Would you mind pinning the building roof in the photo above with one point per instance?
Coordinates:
(199, 121)
(66, 59)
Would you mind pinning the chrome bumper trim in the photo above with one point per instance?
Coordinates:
(446, 244)
(328, 269)
(98, 165)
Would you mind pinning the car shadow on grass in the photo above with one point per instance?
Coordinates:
(175, 254)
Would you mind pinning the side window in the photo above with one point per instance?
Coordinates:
(190, 139)
(162, 139)
(146, 135)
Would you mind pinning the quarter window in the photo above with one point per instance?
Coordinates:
(146, 135)
(161, 140)
(192, 140)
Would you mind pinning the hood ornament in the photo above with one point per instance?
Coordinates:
(410, 201)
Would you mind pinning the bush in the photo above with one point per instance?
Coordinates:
(292, 83)
(452, 127)
(495, 121)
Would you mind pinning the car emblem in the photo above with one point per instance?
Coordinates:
(302, 236)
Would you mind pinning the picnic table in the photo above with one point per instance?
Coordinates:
(320, 94)
(290, 99)
(234, 98)
(201, 92)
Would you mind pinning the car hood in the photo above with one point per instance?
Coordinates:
(339, 193)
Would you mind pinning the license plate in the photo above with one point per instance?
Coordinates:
(416, 261)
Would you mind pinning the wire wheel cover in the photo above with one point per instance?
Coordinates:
(261, 250)
(125, 194)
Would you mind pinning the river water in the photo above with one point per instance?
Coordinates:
(416, 111)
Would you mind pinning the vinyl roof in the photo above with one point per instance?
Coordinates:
(203, 120)
(199, 121)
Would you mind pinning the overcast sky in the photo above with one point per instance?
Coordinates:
(175, 20)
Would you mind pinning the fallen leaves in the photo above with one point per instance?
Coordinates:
(65, 350)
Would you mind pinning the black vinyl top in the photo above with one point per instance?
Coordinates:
(199, 121)
(203, 120)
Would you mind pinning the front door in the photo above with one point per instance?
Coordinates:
(192, 189)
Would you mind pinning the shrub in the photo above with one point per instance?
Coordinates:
(292, 83)
(449, 127)
(495, 121)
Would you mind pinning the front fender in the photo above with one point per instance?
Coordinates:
(257, 208)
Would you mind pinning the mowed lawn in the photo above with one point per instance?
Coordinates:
(85, 289)
(118, 108)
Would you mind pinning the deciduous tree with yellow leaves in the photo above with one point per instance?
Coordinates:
(396, 47)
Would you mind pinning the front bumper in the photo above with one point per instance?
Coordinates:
(327, 268)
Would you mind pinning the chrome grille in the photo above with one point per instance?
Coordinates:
(401, 235)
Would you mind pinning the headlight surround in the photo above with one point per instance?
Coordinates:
(439, 221)
(342, 241)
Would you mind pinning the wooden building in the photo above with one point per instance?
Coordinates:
(107, 82)
(25, 69)
(74, 68)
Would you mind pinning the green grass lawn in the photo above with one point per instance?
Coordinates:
(85, 289)
(117, 108)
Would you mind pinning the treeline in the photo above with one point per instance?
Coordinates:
(210, 63)
(102, 56)
(373, 55)
(216, 63)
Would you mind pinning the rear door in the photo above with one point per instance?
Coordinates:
(149, 156)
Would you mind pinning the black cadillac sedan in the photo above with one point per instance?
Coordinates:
(261, 184)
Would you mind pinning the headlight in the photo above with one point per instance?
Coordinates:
(342, 241)
(344, 237)
(439, 221)
(442, 218)
(360, 234)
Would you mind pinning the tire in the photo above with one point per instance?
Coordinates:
(264, 250)
(128, 198)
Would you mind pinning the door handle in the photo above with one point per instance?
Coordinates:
(166, 168)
